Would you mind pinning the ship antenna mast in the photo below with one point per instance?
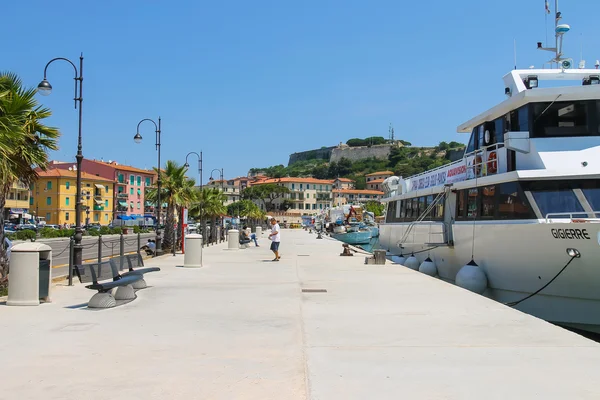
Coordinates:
(559, 30)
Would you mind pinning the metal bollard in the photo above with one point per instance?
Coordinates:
(121, 251)
(233, 241)
(99, 249)
(139, 245)
(71, 246)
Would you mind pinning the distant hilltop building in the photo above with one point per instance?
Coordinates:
(343, 150)
(324, 153)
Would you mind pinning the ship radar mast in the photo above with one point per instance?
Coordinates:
(559, 31)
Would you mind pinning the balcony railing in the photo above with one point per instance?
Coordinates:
(122, 195)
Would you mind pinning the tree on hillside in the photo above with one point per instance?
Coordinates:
(320, 172)
(375, 207)
(24, 143)
(266, 193)
(455, 145)
(370, 141)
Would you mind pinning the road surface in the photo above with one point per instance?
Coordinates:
(110, 248)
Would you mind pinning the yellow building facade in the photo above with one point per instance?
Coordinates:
(17, 202)
(54, 198)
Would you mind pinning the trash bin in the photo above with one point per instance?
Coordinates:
(258, 232)
(192, 257)
(30, 274)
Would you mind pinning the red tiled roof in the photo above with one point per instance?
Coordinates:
(345, 180)
(65, 173)
(376, 181)
(127, 168)
(357, 191)
(381, 173)
(293, 180)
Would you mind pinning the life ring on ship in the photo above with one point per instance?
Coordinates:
(492, 164)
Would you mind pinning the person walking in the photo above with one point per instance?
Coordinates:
(275, 238)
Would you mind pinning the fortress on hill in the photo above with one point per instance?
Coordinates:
(335, 153)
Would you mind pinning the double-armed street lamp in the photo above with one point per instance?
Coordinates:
(138, 139)
(187, 165)
(44, 88)
(220, 171)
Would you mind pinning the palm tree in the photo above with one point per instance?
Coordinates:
(209, 205)
(176, 191)
(187, 196)
(24, 142)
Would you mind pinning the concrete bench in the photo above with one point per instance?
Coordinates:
(113, 289)
(131, 261)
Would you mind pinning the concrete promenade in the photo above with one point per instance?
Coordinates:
(241, 328)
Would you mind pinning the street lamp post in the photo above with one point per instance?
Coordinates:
(44, 88)
(138, 139)
(187, 165)
(222, 191)
(87, 206)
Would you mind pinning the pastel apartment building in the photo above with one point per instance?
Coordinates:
(17, 203)
(307, 195)
(232, 188)
(54, 197)
(130, 184)
(352, 196)
(375, 179)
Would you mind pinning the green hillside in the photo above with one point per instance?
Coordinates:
(404, 161)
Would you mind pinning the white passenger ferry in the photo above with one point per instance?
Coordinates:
(524, 201)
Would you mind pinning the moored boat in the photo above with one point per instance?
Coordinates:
(523, 204)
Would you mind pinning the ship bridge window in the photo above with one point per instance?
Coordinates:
(512, 203)
(564, 118)
(471, 145)
(556, 198)
(505, 201)
(591, 191)
(518, 120)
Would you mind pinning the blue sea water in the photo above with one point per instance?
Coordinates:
(373, 245)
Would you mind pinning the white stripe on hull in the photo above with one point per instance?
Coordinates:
(519, 257)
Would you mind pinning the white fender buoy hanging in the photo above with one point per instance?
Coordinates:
(412, 262)
(428, 267)
(399, 259)
(472, 278)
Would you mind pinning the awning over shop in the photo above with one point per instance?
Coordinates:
(99, 186)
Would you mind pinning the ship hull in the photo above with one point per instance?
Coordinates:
(361, 237)
(518, 257)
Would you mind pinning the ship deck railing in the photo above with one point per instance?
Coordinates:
(579, 216)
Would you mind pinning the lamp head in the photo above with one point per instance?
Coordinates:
(44, 88)
(186, 165)
(137, 138)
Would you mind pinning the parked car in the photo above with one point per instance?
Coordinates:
(52, 226)
(30, 227)
(8, 246)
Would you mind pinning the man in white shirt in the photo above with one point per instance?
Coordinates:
(275, 238)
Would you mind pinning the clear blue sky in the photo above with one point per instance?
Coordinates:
(249, 82)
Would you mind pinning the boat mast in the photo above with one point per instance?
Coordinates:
(559, 31)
